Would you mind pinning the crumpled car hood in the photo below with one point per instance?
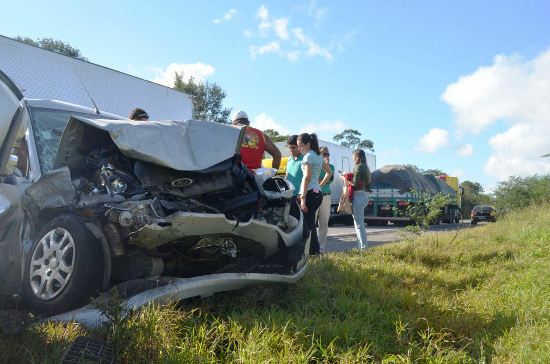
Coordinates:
(189, 145)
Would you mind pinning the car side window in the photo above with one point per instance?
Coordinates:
(18, 162)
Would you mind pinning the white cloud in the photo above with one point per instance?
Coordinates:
(292, 56)
(517, 151)
(516, 91)
(324, 126)
(341, 42)
(199, 71)
(316, 12)
(271, 47)
(281, 28)
(466, 150)
(228, 16)
(263, 122)
(291, 45)
(433, 140)
(263, 15)
(312, 48)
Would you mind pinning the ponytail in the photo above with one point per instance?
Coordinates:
(312, 140)
(315, 143)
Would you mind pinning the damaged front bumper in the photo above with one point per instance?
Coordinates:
(175, 289)
(187, 224)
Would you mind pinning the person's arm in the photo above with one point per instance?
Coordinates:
(274, 151)
(328, 174)
(305, 182)
(358, 177)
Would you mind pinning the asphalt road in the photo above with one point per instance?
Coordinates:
(342, 237)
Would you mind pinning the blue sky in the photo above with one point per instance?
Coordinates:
(463, 86)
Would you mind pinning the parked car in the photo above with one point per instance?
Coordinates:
(89, 199)
(482, 213)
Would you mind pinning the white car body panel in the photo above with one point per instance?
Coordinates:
(179, 289)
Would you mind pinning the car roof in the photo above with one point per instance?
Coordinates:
(482, 207)
(65, 106)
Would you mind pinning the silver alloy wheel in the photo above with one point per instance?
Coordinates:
(52, 263)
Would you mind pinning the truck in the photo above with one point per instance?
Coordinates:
(395, 187)
(47, 75)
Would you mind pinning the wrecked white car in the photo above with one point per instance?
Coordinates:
(88, 200)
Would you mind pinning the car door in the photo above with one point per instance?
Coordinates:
(11, 214)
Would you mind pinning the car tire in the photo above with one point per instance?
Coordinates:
(64, 267)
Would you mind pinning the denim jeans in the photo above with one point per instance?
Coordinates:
(360, 201)
(313, 201)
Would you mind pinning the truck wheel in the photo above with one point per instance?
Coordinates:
(64, 267)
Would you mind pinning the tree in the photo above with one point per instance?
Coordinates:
(427, 208)
(275, 136)
(473, 195)
(472, 187)
(519, 192)
(54, 45)
(207, 99)
(432, 171)
(351, 138)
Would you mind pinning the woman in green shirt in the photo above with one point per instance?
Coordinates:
(361, 186)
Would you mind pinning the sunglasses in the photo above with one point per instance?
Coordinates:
(326, 154)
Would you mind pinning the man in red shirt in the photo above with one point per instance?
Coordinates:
(255, 143)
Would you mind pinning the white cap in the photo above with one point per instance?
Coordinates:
(239, 115)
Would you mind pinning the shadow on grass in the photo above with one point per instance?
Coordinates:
(360, 305)
(36, 344)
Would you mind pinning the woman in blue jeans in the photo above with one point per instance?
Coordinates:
(310, 188)
(361, 185)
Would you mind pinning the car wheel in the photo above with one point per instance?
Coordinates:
(64, 267)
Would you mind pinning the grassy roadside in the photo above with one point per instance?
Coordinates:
(479, 295)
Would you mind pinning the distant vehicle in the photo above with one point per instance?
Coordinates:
(395, 187)
(42, 74)
(482, 213)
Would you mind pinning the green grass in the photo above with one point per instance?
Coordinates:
(479, 295)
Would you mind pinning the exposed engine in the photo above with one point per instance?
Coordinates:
(149, 213)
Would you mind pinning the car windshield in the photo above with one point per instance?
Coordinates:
(48, 125)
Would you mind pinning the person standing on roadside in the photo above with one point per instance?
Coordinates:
(360, 185)
(310, 188)
(323, 214)
(294, 172)
(138, 114)
(255, 143)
